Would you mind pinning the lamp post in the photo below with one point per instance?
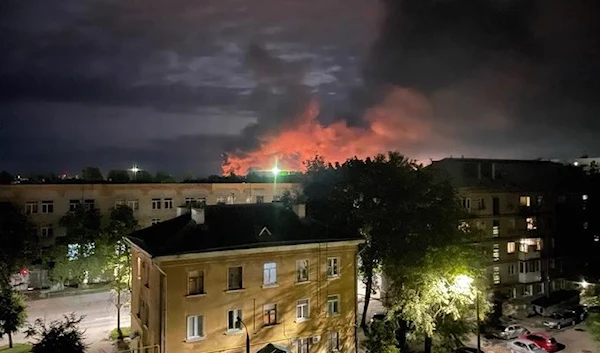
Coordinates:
(247, 335)
(478, 323)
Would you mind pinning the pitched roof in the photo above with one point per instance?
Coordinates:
(231, 227)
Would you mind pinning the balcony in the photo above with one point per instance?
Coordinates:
(530, 277)
(530, 255)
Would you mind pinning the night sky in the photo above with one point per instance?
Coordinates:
(173, 85)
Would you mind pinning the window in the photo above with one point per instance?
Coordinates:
(512, 224)
(510, 247)
(73, 204)
(333, 269)
(47, 206)
(333, 305)
(333, 342)
(525, 201)
(529, 266)
(495, 228)
(139, 268)
(234, 278)
(466, 203)
(145, 273)
(47, 231)
(156, 204)
(270, 314)
(531, 223)
(154, 221)
(89, 204)
(270, 273)
(301, 270)
(189, 201)
(513, 293)
(133, 204)
(302, 310)
(495, 206)
(496, 252)
(234, 318)
(168, 203)
(511, 270)
(260, 199)
(195, 282)
(481, 204)
(540, 201)
(195, 327)
(231, 199)
(119, 203)
(31, 207)
(302, 345)
(538, 288)
(530, 244)
(496, 275)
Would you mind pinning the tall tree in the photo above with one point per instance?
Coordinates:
(19, 242)
(63, 336)
(118, 176)
(6, 177)
(143, 176)
(162, 177)
(13, 312)
(92, 174)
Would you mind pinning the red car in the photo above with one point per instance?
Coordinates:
(542, 339)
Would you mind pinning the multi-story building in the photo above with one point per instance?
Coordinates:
(513, 205)
(209, 278)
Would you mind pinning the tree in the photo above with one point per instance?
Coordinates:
(162, 177)
(143, 176)
(13, 312)
(118, 176)
(381, 337)
(92, 174)
(19, 243)
(6, 177)
(60, 336)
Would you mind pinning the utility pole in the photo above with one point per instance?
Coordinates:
(478, 323)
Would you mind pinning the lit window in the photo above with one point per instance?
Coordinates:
(531, 223)
(270, 273)
(156, 204)
(270, 314)
(234, 318)
(195, 327)
(525, 201)
(496, 252)
(333, 342)
(496, 275)
(301, 270)
(31, 207)
(168, 203)
(510, 247)
(496, 228)
(333, 269)
(333, 305)
(220, 200)
(195, 282)
(302, 310)
(234, 278)
(139, 268)
(231, 199)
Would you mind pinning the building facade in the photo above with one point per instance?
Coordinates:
(205, 279)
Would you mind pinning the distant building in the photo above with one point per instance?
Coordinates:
(205, 279)
(513, 204)
(587, 164)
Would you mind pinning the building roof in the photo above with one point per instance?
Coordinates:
(233, 227)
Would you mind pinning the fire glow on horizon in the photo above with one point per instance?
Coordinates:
(399, 120)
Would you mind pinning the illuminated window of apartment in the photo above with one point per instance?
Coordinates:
(302, 344)
(333, 269)
(495, 228)
(89, 204)
(531, 223)
(47, 206)
(302, 310)
(496, 275)
(302, 270)
(154, 221)
(270, 274)
(270, 314)
(530, 244)
(231, 199)
(195, 327)
(139, 268)
(333, 305)
(47, 231)
(168, 202)
(511, 270)
(195, 282)
(510, 247)
(496, 252)
(73, 204)
(234, 318)
(333, 342)
(156, 204)
(260, 199)
(234, 278)
(220, 200)
(525, 201)
(133, 204)
(31, 207)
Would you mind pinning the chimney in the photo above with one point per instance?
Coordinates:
(182, 210)
(198, 215)
(300, 210)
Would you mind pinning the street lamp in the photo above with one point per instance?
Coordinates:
(464, 284)
(239, 319)
(275, 171)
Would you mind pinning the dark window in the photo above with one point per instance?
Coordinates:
(495, 206)
(235, 278)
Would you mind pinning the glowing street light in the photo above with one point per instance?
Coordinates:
(134, 169)
(275, 170)
(584, 284)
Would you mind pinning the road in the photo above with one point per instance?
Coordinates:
(98, 309)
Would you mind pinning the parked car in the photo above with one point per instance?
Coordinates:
(507, 331)
(524, 346)
(468, 350)
(542, 339)
(565, 317)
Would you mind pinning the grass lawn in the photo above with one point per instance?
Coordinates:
(17, 348)
(114, 335)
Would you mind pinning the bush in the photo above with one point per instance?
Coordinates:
(60, 336)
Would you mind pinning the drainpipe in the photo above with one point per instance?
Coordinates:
(163, 309)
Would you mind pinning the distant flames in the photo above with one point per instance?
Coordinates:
(400, 120)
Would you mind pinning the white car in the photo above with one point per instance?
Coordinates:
(524, 346)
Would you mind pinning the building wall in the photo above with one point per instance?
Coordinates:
(217, 301)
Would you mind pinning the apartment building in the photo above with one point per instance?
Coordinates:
(513, 205)
(152, 203)
(209, 278)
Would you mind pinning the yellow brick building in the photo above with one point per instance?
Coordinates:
(291, 282)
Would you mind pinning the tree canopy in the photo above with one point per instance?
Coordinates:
(63, 336)
(19, 241)
(13, 312)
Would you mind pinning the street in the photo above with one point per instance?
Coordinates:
(99, 311)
